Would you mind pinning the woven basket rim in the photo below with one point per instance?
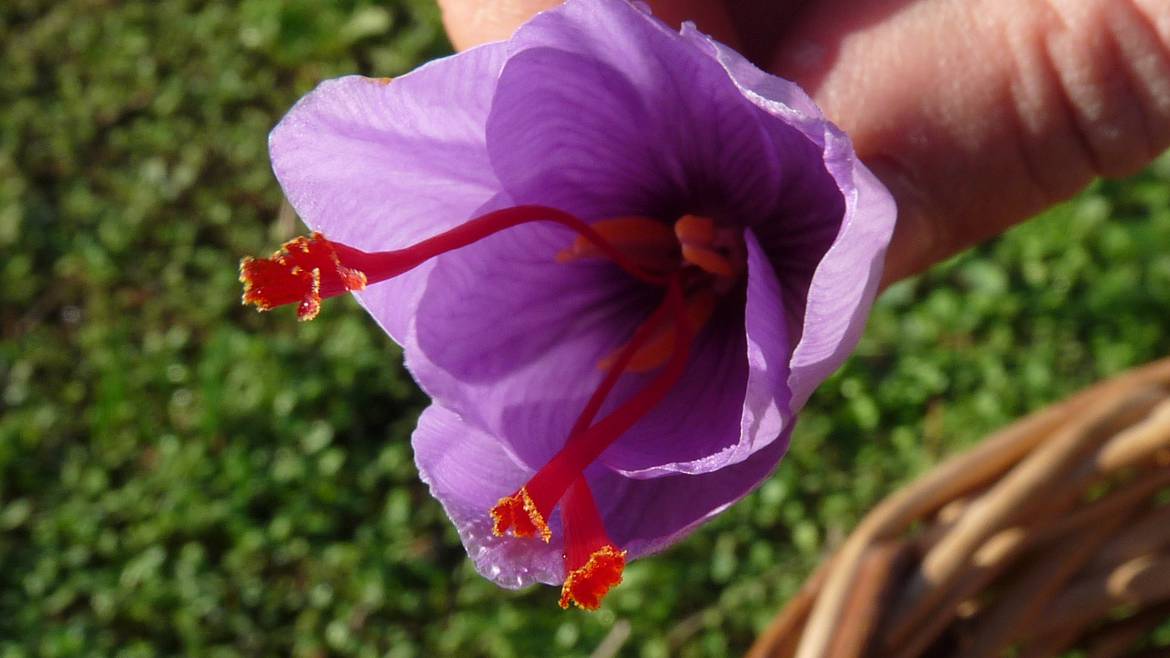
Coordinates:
(1003, 534)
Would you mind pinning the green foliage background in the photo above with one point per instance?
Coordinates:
(179, 474)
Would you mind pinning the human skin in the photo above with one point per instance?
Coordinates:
(977, 114)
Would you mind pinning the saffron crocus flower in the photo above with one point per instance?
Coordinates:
(618, 257)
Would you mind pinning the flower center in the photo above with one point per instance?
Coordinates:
(715, 256)
(695, 261)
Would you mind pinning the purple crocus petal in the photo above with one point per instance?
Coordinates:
(468, 471)
(838, 296)
(782, 98)
(603, 109)
(646, 516)
(380, 166)
(846, 281)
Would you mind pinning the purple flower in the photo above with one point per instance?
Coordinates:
(609, 387)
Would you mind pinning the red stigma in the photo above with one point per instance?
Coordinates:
(302, 272)
(586, 585)
(593, 564)
(519, 514)
(309, 269)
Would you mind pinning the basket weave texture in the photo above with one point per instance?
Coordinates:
(1050, 535)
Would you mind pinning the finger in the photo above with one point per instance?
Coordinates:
(979, 115)
(472, 22)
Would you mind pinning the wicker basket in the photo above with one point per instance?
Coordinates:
(1050, 535)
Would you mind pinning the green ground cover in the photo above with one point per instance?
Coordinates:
(179, 474)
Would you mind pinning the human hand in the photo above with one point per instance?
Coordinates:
(977, 114)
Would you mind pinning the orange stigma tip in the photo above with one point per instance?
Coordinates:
(519, 514)
(648, 242)
(708, 260)
(303, 272)
(587, 586)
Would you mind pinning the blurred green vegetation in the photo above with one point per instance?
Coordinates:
(181, 475)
